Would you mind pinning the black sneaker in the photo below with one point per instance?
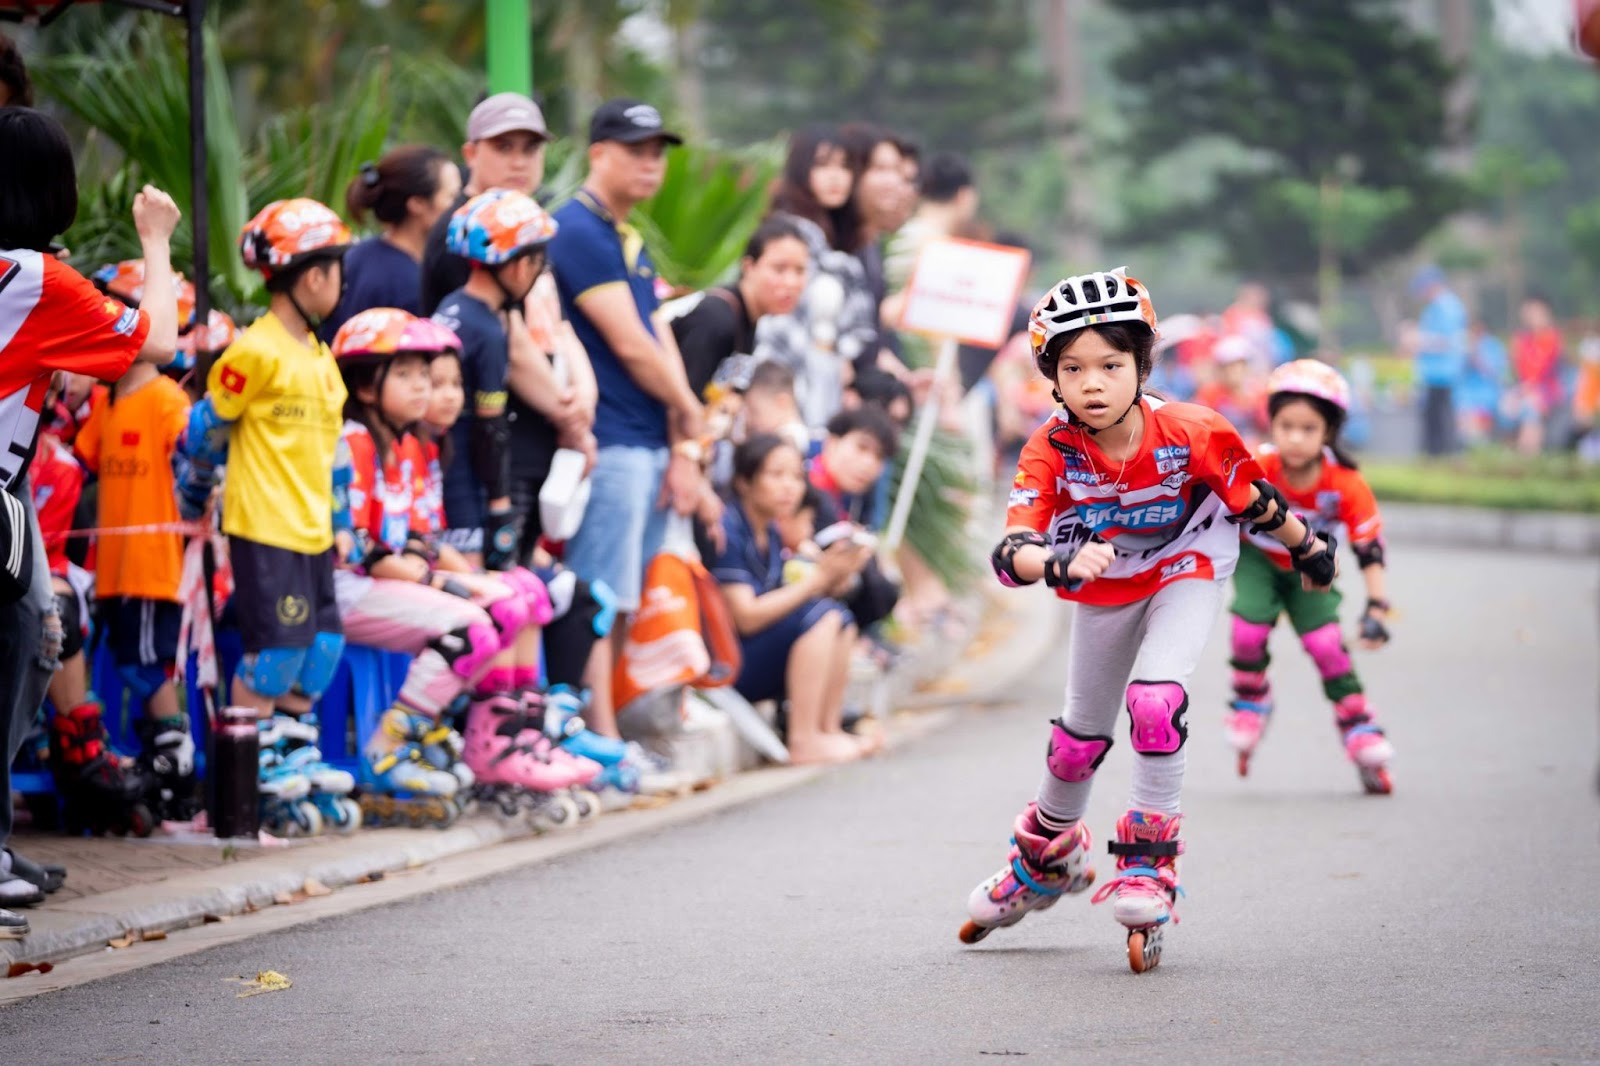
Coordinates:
(46, 875)
(13, 926)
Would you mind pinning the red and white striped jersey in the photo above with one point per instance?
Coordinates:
(52, 319)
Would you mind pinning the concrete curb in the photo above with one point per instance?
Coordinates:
(1545, 532)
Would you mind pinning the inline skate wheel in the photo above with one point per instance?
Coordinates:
(972, 932)
(348, 817)
(1376, 781)
(304, 821)
(140, 822)
(588, 804)
(1144, 949)
(1244, 764)
(561, 812)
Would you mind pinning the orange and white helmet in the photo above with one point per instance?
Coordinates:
(1311, 377)
(288, 232)
(1097, 299)
(498, 226)
(125, 281)
(372, 336)
(215, 336)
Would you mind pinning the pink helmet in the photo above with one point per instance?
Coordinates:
(1311, 377)
(429, 337)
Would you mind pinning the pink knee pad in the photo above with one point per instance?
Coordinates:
(534, 594)
(510, 615)
(1327, 651)
(1074, 756)
(1157, 709)
(474, 645)
(1250, 641)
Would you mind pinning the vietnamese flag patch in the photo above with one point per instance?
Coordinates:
(232, 380)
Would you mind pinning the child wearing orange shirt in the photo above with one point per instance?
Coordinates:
(128, 441)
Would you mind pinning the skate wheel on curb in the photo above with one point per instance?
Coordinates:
(1144, 949)
(588, 804)
(972, 932)
(560, 813)
(349, 816)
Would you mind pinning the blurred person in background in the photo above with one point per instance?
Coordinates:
(1440, 355)
(1536, 352)
(1482, 385)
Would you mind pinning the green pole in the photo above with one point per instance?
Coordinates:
(510, 45)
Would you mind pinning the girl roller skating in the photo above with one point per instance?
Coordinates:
(1122, 504)
(1307, 402)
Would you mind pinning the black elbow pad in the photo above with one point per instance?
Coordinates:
(1369, 553)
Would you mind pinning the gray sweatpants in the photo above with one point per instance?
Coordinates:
(23, 678)
(1159, 639)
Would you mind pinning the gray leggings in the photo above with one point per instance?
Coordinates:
(22, 677)
(1155, 640)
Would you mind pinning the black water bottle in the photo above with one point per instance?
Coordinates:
(235, 767)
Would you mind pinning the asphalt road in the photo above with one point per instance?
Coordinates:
(1453, 921)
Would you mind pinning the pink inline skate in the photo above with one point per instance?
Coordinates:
(1146, 886)
(510, 773)
(1365, 743)
(1040, 868)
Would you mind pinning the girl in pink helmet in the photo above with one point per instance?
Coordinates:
(1122, 504)
(1308, 402)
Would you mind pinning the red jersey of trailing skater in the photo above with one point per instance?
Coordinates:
(1341, 497)
(51, 319)
(57, 482)
(1164, 512)
(383, 496)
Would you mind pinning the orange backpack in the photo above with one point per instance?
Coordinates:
(682, 634)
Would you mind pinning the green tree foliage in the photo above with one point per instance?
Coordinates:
(1302, 90)
(963, 77)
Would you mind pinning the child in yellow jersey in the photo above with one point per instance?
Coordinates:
(272, 411)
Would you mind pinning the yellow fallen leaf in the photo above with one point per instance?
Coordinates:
(121, 941)
(317, 888)
(153, 934)
(266, 981)
(283, 899)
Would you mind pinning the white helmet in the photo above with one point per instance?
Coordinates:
(1096, 299)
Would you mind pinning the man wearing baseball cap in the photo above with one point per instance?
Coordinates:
(505, 143)
(649, 421)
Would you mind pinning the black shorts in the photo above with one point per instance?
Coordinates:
(141, 632)
(281, 599)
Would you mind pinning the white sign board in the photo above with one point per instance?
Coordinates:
(966, 291)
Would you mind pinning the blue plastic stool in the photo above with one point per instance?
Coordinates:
(363, 687)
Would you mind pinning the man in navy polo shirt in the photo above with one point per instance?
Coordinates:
(649, 421)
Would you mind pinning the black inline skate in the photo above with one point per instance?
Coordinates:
(103, 792)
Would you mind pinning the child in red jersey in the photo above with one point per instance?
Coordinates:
(1122, 503)
(1308, 400)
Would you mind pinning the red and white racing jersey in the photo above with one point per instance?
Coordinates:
(52, 319)
(1340, 497)
(1164, 511)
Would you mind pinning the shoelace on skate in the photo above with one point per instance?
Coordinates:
(1143, 881)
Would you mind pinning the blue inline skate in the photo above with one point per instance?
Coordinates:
(294, 739)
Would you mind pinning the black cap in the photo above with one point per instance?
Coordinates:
(628, 121)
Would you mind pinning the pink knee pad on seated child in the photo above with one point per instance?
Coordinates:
(1326, 646)
(534, 594)
(1250, 641)
(1074, 756)
(510, 614)
(1157, 709)
(468, 649)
